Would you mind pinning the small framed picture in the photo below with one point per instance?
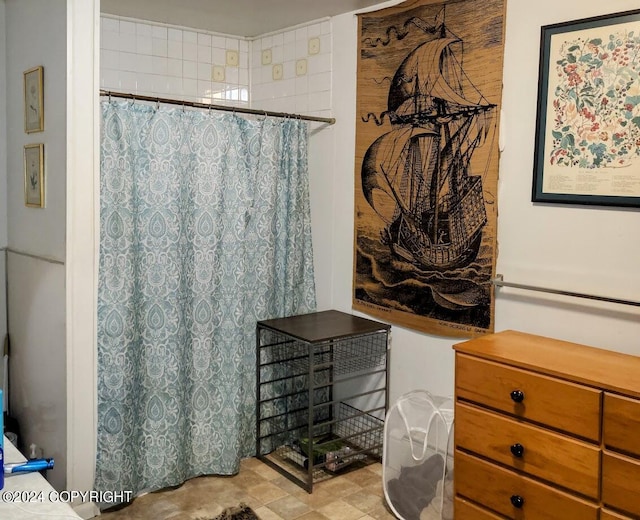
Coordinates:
(33, 100)
(587, 148)
(34, 175)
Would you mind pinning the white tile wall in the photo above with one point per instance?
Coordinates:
(309, 93)
(158, 60)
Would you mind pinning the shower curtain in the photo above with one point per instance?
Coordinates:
(205, 229)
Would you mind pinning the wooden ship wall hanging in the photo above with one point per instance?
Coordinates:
(428, 102)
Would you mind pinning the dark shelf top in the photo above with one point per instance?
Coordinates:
(322, 326)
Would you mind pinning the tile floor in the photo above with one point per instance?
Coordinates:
(354, 495)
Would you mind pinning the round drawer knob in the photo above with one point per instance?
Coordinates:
(517, 450)
(517, 396)
(517, 501)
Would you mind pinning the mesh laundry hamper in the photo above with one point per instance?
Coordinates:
(417, 458)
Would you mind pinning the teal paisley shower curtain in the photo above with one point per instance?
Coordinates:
(205, 229)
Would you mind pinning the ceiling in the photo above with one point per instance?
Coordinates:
(246, 18)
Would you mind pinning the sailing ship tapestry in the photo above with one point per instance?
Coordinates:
(428, 104)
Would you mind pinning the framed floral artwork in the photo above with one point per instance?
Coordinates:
(34, 175)
(33, 100)
(587, 146)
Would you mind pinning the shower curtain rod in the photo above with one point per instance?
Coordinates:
(195, 104)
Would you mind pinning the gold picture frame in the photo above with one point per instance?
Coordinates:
(33, 100)
(34, 175)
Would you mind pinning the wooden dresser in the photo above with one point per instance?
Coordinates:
(545, 429)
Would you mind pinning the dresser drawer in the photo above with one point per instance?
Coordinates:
(621, 416)
(545, 454)
(621, 482)
(558, 404)
(496, 487)
(465, 510)
(610, 515)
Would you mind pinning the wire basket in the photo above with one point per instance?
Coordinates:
(344, 355)
(353, 438)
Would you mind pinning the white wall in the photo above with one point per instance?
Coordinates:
(37, 283)
(321, 194)
(37, 231)
(37, 325)
(3, 179)
(3, 134)
(584, 249)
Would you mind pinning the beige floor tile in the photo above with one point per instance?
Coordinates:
(264, 513)
(207, 512)
(266, 492)
(340, 510)
(250, 463)
(184, 516)
(364, 500)
(317, 499)
(248, 479)
(376, 489)
(215, 484)
(290, 487)
(252, 502)
(312, 515)
(364, 477)
(233, 498)
(376, 468)
(289, 507)
(381, 512)
(339, 487)
(266, 472)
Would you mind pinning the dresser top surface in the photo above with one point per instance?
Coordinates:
(596, 367)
